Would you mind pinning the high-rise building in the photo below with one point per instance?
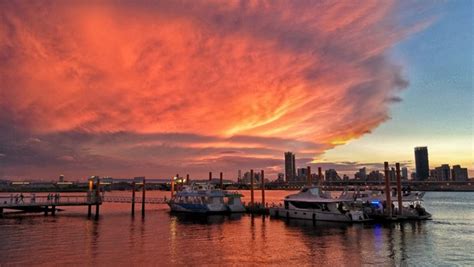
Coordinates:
(290, 166)
(302, 174)
(404, 173)
(459, 174)
(442, 173)
(331, 175)
(422, 163)
(361, 174)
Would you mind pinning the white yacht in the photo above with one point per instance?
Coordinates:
(204, 199)
(373, 202)
(313, 204)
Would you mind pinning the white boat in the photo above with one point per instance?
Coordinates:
(234, 202)
(313, 204)
(373, 202)
(203, 199)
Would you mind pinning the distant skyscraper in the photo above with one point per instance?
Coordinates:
(442, 173)
(405, 173)
(290, 166)
(422, 163)
(459, 174)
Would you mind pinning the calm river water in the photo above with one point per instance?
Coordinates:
(166, 240)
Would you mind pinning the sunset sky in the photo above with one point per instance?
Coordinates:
(155, 88)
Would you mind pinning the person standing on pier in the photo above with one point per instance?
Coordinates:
(21, 198)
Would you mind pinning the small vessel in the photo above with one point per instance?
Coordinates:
(313, 204)
(234, 202)
(373, 203)
(204, 199)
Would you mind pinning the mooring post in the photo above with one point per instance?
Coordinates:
(143, 197)
(133, 198)
(262, 176)
(172, 187)
(187, 179)
(251, 188)
(399, 189)
(221, 182)
(310, 182)
(210, 176)
(97, 199)
(387, 190)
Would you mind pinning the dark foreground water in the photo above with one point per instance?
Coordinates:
(163, 239)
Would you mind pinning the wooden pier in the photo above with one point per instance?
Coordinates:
(48, 204)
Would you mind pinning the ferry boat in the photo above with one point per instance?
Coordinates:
(203, 199)
(312, 203)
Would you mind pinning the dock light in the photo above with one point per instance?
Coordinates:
(91, 184)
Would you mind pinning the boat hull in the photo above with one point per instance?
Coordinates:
(197, 208)
(352, 216)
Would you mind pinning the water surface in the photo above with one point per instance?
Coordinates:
(164, 239)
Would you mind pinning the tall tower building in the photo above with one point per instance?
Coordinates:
(422, 163)
(290, 166)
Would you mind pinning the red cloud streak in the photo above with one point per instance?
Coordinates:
(308, 71)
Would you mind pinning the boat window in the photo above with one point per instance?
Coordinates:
(306, 205)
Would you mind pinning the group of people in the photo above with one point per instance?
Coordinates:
(20, 198)
(53, 197)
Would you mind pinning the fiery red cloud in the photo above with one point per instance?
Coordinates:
(246, 80)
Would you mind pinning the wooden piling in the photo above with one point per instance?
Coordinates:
(221, 182)
(143, 197)
(89, 211)
(98, 201)
(399, 189)
(210, 176)
(53, 210)
(187, 179)
(172, 187)
(262, 177)
(133, 198)
(310, 181)
(387, 190)
(251, 188)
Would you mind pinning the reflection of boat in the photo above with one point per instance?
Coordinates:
(373, 203)
(203, 199)
(313, 204)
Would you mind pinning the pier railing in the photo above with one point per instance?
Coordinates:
(17, 201)
(124, 199)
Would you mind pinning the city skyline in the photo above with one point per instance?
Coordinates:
(193, 87)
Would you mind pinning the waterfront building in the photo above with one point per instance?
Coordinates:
(422, 163)
(459, 174)
(246, 178)
(361, 174)
(375, 176)
(331, 175)
(290, 166)
(404, 173)
(442, 173)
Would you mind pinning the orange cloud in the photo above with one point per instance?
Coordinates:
(307, 71)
